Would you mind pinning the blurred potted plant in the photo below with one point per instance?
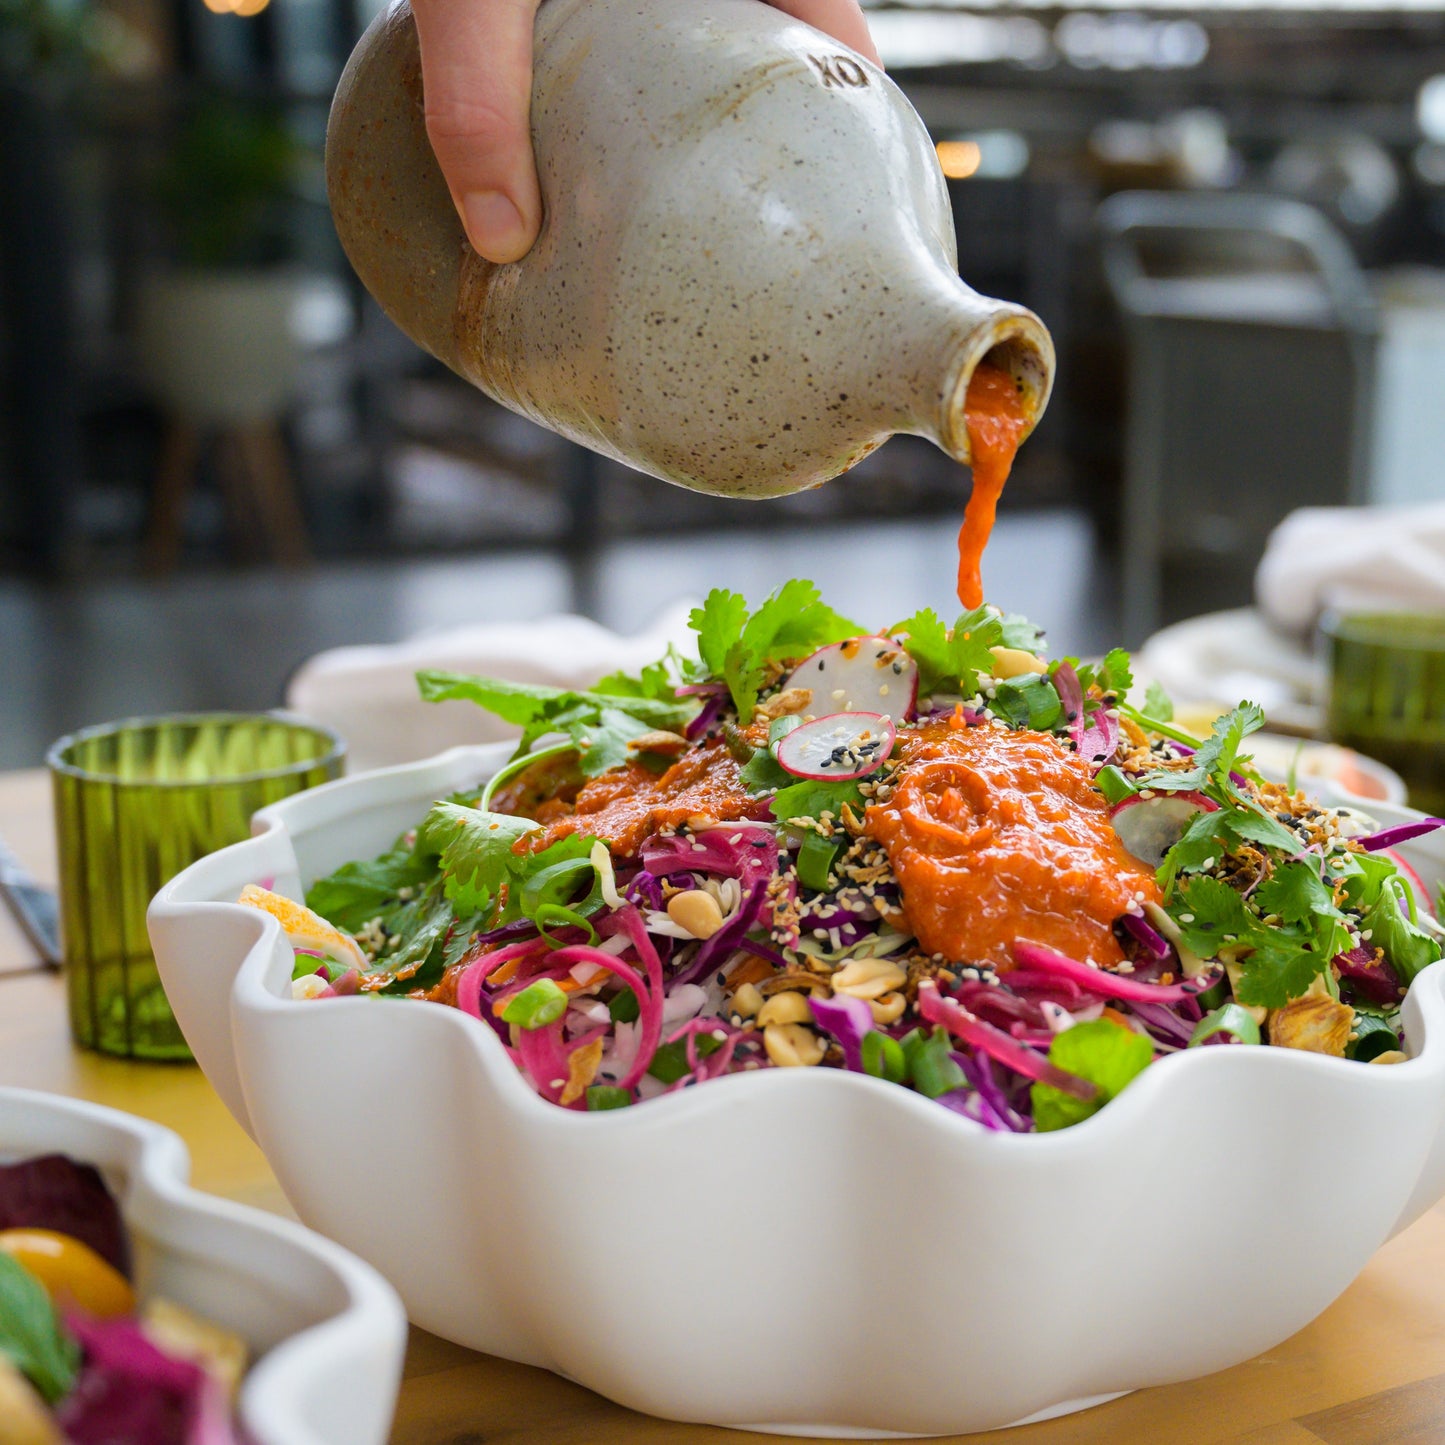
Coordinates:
(215, 328)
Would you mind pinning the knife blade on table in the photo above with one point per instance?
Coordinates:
(35, 908)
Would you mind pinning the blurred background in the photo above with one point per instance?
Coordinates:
(217, 457)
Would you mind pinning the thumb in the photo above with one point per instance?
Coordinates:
(476, 63)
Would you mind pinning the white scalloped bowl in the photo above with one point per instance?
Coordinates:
(326, 1332)
(799, 1250)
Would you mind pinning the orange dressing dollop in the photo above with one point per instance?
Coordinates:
(996, 836)
(629, 804)
(994, 414)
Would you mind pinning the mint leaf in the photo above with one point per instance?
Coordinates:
(31, 1336)
(1108, 1056)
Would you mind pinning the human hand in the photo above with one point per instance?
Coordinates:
(476, 61)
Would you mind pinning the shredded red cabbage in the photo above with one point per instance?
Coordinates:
(1007, 1050)
(1400, 833)
(848, 1020)
(1148, 937)
(1106, 983)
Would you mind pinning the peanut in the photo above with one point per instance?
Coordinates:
(869, 978)
(793, 700)
(696, 912)
(1391, 1056)
(888, 1008)
(658, 742)
(1014, 662)
(792, 1046)
(785, 1008)
(747, 1001)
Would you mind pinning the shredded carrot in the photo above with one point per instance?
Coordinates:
(751, 970)
(507, 970)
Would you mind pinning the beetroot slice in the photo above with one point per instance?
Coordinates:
(52, 1191)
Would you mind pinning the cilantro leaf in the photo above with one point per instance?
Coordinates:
(600, 724)
(950, 660)
(1215, 757)
(1108, 1056)
(719, 625)
(655, 681)
(1218, 752)
(925, 640)
(358, 892)
(737, 647)
(1277, 963)
(1021, 633)
(476, 851)
(1296, 892)
(1205, 837)
(1157, 703)
(1278, 971)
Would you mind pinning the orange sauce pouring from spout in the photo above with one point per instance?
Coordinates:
(993, 412)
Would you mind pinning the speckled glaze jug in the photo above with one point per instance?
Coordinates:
(746, 278)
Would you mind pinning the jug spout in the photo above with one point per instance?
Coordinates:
(746, 278)
(945, 330)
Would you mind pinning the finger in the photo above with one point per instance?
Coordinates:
(476, 62)
(842, 19)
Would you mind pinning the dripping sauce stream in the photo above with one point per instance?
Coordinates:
(995, 416)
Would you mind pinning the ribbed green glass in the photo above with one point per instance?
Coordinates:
(1387, 694)
(135, 802)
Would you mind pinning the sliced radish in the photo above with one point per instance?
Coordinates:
(840, 746)
(1150, 827)
(864, 674)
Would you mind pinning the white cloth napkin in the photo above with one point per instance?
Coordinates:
(369, 694)
(1383, 557)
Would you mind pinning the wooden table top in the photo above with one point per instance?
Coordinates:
(1369, 1371)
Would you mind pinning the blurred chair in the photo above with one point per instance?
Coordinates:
(221, 352)
(1252, 337)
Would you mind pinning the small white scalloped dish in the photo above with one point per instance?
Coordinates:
(327, 1335)
(798, 1250)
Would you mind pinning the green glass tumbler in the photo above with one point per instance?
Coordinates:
(135, 802)
(1387, 694)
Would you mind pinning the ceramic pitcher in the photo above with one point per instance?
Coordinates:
(746, 278)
